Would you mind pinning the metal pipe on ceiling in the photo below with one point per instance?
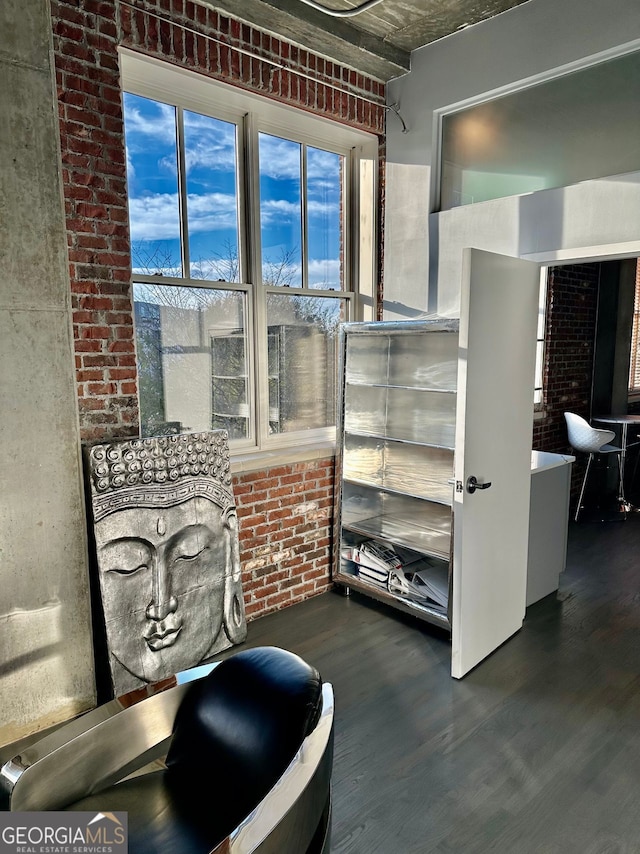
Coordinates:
(343, 13)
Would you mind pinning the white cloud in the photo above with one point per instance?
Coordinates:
(322, 209)
(146, 119)
(273, 210)
(218, 208)
(279, 158)
(131, 171)
(324, 271)
(209, 143)
(215, 157)
(155, 217)
(323, 165)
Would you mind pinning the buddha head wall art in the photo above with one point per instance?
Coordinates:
(166, 554)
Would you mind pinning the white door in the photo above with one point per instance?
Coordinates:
(494, 422)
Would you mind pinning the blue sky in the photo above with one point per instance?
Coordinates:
(210, 161)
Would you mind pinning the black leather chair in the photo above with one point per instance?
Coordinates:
(234, 757)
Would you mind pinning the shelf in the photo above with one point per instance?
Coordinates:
(428, 541)
(400, 492)
(409, 606)
(425, 418)
(417, 470)
(400, 441)
(412, 388)
(405, 361)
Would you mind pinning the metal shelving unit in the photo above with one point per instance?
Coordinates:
(394, 466)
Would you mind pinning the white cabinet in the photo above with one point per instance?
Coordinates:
(549, 522)
(434, 458)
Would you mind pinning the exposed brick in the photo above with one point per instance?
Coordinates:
(285, 513)
(572, 301)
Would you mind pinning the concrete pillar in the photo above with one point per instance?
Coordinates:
(46, 657)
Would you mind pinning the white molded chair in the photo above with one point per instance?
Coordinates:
(591, 440)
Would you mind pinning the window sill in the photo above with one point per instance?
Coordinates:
(261, 460)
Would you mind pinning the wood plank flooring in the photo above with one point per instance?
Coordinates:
(536, 751)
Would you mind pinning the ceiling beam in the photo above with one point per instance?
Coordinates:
(330, 37)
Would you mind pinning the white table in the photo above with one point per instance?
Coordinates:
(624, 422)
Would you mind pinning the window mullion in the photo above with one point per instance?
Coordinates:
(182, 195)
(352, 248)
(634, 372)
(304, 218)
(258, 343)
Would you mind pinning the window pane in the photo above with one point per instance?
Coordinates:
(324, 207)
(366, 233)
(580, 126)
(192, 359)
(152, 186)
(302, 337)
(212, 203)
(537, 392)
(230, 381)
(280, 211)
(634, 362)
(540, 335)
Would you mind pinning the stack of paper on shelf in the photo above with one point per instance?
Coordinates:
(402, 571)
(374, 561)
(423, 579)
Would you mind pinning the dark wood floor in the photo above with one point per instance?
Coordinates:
(536, 751)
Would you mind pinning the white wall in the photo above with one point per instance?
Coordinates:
(423, 251)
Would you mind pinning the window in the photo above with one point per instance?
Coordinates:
(247, 253)
(540, 336)
(634, 361)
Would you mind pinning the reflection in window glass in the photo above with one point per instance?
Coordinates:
(324, 205)
(577, 127)
(152, 186)
(280, 211)
(230, 382)
(192, 359)
(212, 205)
(302, 336)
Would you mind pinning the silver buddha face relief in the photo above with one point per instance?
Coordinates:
(167, 554)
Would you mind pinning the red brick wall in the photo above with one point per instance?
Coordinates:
(572, 304)
(285, 513)
(93, 173)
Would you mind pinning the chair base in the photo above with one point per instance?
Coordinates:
(321, 842)
(623, 506)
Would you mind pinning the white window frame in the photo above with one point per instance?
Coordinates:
(253, 114)
(634, 357)
(541, 337)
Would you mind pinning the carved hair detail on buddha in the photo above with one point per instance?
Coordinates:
(167, 551)
(159, 472)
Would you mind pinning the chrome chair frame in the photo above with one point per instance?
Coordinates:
(131, 734)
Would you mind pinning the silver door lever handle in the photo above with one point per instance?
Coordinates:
(472, 484)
